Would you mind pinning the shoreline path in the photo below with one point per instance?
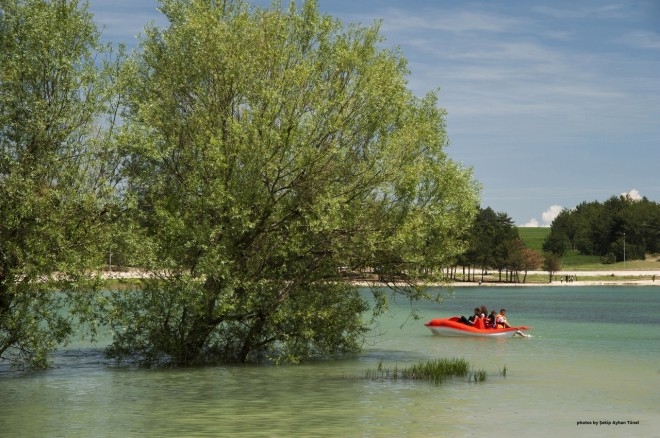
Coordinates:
(614, 278)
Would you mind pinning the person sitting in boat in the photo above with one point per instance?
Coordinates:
(501, 321)
(491, 322)
(472, 319)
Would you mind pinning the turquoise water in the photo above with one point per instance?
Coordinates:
(594, 357)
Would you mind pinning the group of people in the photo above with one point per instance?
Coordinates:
(491, 320)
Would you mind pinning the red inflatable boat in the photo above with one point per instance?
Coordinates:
(454, 327)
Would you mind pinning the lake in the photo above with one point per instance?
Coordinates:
(593, 358)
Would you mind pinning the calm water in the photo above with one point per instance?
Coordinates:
(594, 357)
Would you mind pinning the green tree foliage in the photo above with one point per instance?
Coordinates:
(493, 240)
(559, 239)
(481, 237)
(266, 150)
(52, 174)
(552, 264)
(522, 259)
(596, 228)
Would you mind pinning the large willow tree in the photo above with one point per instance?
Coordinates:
(267, 149)
(53, 173)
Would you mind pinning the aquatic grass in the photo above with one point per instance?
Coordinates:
(434, 370)
(479, 376)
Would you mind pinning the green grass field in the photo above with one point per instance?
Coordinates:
(534, 237)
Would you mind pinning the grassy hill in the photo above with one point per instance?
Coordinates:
(534, 237)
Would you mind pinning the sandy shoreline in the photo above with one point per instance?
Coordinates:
(564, 284)
(618, 278)
(553, 284)
(581, 278)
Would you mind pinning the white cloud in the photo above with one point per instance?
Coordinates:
(640, 39)
(633, 194)
(550, 214)
(547, 216)
(456, 21)
(613, 10)
(533, 223)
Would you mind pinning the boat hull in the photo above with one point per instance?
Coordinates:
(454, 327)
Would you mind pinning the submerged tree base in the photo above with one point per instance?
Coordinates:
(435, 370)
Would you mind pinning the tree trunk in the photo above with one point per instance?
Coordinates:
(248, 342)
(5, 299)
(195, 341)
(202, 326)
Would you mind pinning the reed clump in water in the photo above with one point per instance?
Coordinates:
(434, 370)
(479, 375)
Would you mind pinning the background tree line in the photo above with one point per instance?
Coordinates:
(617, 228)
(494, 244)
(240, 156)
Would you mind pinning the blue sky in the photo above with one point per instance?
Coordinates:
(550, 103)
